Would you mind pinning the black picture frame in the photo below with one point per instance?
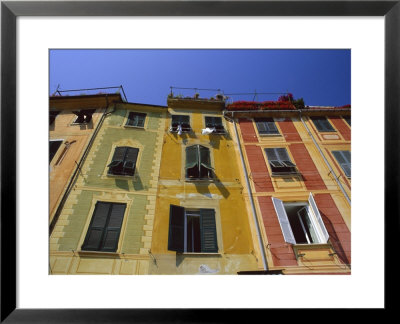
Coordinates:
(10, 10)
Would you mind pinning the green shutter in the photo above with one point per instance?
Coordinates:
(192, 156)
(176, 233)
(96, 228)
(113, 229)
(205, 159)
(208, 231)
(131, 158)
(105, 227)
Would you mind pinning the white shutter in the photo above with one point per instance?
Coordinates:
(283, 221)
(315, 210)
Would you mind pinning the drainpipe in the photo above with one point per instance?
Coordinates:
(78, 167)
(325, 160)
(253, 209)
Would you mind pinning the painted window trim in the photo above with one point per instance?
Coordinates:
(183, 131)
(281, 174)
(182, 248)
(211, 179)
(124, 160)
(222, 122)
(126, 119)
(278, 134)
(314, 216)
(102, 240)
(334, 130)
(340, 164)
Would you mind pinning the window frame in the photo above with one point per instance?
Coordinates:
(317, 125)
(257, 120)
(285, 163)
(58, 148)
(313, 215)
(177, 232)
(123, 161)
(186, 130)
(345, 158)
(199, 164)
(136, 126)
(105, 228)
(84, 122)
(222, 131)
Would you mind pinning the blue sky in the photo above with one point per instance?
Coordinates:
(320, 77)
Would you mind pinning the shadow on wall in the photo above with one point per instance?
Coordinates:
(334, 239)
(202, 187)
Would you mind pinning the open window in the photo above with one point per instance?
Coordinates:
(83, 116)
(136, 119)
(322, 124)
(192, 230)
(198, 163)
(279, 161)
(105, 227)
(52, 116)
(266, 126)
(301, 222)
(53, 148)
(123, 161)
(214, 124)
(180, 124)
(344, 159)
(347, 119)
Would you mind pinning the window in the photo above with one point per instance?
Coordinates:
(180, 123)
(216, 123)
(279, 161)
(83, 116)
(105, 227)
(198, 163)
(136, 119)
(266, 126)
(53, 148)
(192, 230)
(344, 159)
(347, 119)
(123, 161)
(52, 116)
(322, 124)
(301, 223)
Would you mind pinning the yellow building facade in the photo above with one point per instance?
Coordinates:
(201, 223)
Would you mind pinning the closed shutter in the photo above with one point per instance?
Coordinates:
(96, 229)
(176, 233)
(315, 210)
(283, 221)
(113, 229)
(208, 231)
(282, 154)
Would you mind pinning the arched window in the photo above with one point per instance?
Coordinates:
(198, 163)
(123, 161)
